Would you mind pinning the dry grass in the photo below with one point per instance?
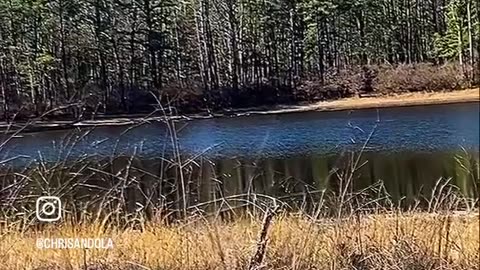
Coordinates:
(387, 241)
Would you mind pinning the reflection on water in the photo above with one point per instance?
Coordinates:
(406, 178)
(404, 175)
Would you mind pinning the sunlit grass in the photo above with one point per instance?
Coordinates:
(390, 241)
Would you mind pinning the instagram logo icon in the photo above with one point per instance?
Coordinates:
(48, 208)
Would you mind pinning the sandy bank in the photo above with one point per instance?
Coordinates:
(400, 100)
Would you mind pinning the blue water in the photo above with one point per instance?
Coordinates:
(419, 129)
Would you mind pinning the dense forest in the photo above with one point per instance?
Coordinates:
(113, 56)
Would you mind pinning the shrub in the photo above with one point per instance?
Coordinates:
(385, 79)
(420, 77)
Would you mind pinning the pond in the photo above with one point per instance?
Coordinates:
(408, 148)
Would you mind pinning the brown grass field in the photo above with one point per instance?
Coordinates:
(383, 241)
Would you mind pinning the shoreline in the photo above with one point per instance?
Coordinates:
(384, 101)
(353, 103)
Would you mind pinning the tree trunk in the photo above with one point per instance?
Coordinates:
(233, 40)
(470, 41)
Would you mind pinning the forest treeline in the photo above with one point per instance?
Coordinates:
(109, 56)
